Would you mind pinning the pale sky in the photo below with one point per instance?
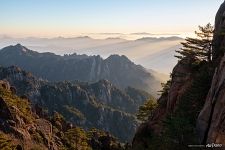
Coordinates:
(51, 18)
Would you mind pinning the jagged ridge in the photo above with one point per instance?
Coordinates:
(22, 128)
(100, 105)
(117, 69)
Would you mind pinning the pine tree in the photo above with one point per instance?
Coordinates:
(199, 48)
(76, 139)
(145, 111)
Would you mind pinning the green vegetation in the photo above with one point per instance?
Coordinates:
(99, 139)
(58, 117)
(80, 106)
(93, 131)
(76, 139)
(146, 110)
(165, 87)
(14, 101)
(37, 137)
(74, 111)
(6, 143)
(68, 137)
(94, 139)
(179, 128)
(200, 48)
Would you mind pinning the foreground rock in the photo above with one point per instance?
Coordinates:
(211, 124)
(22, 128)
(100, 105)
(195, 95)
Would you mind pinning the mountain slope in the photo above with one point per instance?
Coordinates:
(190, 110)
(117, 69)
(100, 105)
(210, 122)
(23, 127)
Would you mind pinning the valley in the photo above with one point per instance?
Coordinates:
(115, 75)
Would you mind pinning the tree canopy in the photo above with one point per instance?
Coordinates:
(199, 48)
(146, 110)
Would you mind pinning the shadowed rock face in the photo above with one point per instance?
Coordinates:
(100, 105)
(218, 38)
(180, 75)
(180, 82)
(4, 111)
(211, 120)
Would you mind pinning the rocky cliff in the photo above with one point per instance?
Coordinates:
(19, 121)
(191, 107)
(210, 122)
(21, 127)
(100, 105)
(173, 123)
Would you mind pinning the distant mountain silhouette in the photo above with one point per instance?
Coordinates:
(135, 50)
(117, 69)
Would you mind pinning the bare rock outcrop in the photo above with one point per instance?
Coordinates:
(17, 119)
(211, 120)
(181, 80)
(218, 38)
(194, 88)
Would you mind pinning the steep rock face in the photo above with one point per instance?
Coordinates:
(99, 104)
(117, 69)
(128, 100)
(181, 80)
(210, 122)
(17, 119)
(174, 120)
(218, 38)
(153, 126)
(196, 94)
(24, 82)
(84, 109)
(211, 119)
(193, 90)
(21, 128)
(4, 112)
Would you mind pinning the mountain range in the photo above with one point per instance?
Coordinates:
(150, 52)
(100, 105)
(24, 126)
(117, 69)
(64, 102)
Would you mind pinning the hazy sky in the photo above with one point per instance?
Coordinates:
(48, 18)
